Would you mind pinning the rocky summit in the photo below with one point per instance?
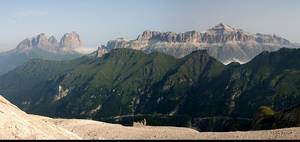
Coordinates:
(70, 40)
(41, 41)
(225, 43)
(43, 47)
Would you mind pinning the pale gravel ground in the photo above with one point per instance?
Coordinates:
(88, 129)
(16, 124)
(92, 130)
(277, 134)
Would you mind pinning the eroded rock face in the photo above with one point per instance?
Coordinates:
(62, 92)
(191, 36)
(53, 41)
(222, 41)
(101, 51)
(221, 33)
(70, 40)
(42, 47)
(41, 41)
(25, 44)
(263, 38)
(118, 43)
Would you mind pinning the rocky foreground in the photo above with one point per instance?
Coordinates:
(16, 124)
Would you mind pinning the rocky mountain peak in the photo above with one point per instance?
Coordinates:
(52, 42)
(52, 39)
(24, 44)
(223, 33)
(222, 41)
(41, 36)
(147, 35)
(70, 40)
(221, 27)
(40, 41)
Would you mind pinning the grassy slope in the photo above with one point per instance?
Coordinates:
(127, 82)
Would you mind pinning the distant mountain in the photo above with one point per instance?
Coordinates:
(223, 42)
(42, 47)
(124, 85)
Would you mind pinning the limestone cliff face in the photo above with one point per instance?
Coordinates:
(118, 43)
(43, 47)
(191, 36)
(24, 44)
(101, 51)
(222, 41)
(263, 38)
(223, 33)
(220, 33)
(40, 41)
(52, 41)
(70, 40)
(62, 92)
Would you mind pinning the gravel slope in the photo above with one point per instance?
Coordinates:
(88, 129)
(16, 124)
(277, 134)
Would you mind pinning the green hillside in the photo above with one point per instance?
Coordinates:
(127, 85)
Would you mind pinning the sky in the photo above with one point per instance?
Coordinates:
(98, 21)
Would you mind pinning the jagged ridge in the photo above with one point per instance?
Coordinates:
(223, 42)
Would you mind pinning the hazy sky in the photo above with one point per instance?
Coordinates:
(98, 21)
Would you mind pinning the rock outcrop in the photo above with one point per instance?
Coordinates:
(101, 51)
(70, 40)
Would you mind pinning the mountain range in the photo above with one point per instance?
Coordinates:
(223, 42)
(42, 47)
(248, 81)
(125, 85)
